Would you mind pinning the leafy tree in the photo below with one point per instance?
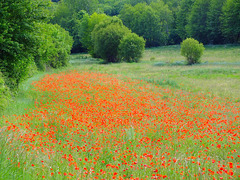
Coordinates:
(213, 22)
(197, 21)
(135, 2)
(106, 38)
(231, 20)
(74, 6)
(16, 36)
(54, 46)
(152, 22)
(86, 26)
(68, 14)
(131, 47)
(182, 18)
(173, 4)
(165, 19)
(192, 50)
(112, 7)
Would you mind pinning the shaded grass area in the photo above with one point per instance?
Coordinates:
(217, 75)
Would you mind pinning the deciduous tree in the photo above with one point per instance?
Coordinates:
(192, 50)
(131, 47)
(152, 22)
(17, 41)
(231, 20)
(106, 38)
(68, 15)
(197, 21)
(182, 18)
(215, 35)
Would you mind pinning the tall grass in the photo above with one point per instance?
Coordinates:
(88, 125)
(155, 119)
(218, 74)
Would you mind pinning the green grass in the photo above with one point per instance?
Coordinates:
(163, 66)
(213, 54)
(218, 74)
(65, 121)
(26, 96)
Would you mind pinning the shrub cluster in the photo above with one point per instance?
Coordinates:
(192, 50)
(131, 47)
(114, 42)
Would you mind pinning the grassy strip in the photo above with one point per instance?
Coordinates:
(218, 75)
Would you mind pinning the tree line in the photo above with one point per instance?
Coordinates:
(159, 22)
(28, 42)
(40, 34)
(34, 35)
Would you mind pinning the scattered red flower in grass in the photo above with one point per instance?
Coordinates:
(96, 126)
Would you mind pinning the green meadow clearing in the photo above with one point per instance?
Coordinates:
(66, 115)
(178, 122)
(218, 74)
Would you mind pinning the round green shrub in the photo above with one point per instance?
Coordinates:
(131, 47)
(192, 50)
(106, 38)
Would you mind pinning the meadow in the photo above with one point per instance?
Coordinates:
(157, 119)
(218, 74)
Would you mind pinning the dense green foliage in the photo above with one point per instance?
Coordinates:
(113, 7)
(215, 35)
(26, 40)
(150, 21)
(101, 35)
(231, 21)
(106, 38)
(86, 26)
(68, 13)
(182, 18)
(192, 50)
(16, 37)
(197, 21)
(54, 45)
(131, 47)
(159, 22)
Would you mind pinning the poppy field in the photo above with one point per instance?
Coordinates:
(89, 125)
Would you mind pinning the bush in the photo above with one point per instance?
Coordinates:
(86, 26)
(131, 47)
(54, 46)
(106, 38)
(192, 50)
(4, 94)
